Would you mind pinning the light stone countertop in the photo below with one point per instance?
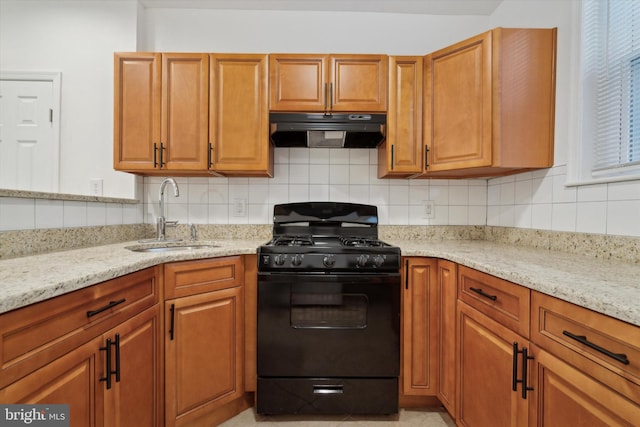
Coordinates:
(609, 287)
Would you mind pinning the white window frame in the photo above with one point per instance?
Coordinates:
(581, 131)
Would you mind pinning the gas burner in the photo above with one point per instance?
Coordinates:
(360, 242)
(293, 241)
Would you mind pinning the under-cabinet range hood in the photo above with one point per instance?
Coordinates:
(323, 130)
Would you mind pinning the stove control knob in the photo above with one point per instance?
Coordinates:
(361, 261)
(378, 260)
(297, 259)
(279, 259)
(329, 260)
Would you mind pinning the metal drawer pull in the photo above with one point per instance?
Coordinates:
(484, 294)
(328, 389)
(111, 304)
(620, 357)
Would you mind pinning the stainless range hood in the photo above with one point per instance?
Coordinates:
(319, 130)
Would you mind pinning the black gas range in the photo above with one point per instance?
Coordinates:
(328, 313)
(327, 237)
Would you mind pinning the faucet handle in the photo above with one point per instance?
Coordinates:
(194, 232)
(171, 223)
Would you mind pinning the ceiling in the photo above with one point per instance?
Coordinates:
(426, 7)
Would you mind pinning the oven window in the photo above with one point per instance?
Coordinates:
(328, 310)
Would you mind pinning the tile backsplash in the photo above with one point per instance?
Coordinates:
(531, 200)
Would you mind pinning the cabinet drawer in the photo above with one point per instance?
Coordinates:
(565, 329)
(194, 277)
(499, 299)
(34, 335)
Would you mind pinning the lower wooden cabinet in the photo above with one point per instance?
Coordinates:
(566, 396)
(204, 342)
(486, 372)
(446, 358)
(419, 327)
(112, 380)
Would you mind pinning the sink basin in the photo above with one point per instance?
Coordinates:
(169, 247)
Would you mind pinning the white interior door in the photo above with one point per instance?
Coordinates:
(28, 143)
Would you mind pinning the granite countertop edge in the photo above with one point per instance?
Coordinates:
(608, 287)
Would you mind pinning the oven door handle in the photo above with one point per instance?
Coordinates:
(328, 389)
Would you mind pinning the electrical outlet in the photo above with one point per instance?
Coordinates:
(429, 209)
(239, 208)
(95, 186)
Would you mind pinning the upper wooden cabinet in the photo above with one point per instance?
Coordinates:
(161, 112)
(191, 114)
(490, 104)
(302, 82)
(400, 155)
(239, 115)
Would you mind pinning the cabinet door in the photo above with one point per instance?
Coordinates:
(203, 350)
(458, 107)
(136, 398)
(447, 334)
(239, 116)
(358, 83)
(72, 379)
(566, 396)
(402, 152)
(485, 373)
(298, 82)
(419, 327)
(136, 114)
(185, 112)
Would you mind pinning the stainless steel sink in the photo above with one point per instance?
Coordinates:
(170, 247)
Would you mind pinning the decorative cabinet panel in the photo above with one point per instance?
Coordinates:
(191, 114)
(161, 112)
(401, 154)
(204, 339)
(446, 358)
(239, 116)
(305, 82)
(419, 327)
(96, 349)
(490, 104)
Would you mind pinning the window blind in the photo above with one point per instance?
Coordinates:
(611, 60)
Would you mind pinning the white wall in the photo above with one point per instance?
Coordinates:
(76, 38)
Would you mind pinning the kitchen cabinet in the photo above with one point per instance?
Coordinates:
(96, 349)
(446, 357)
(161, 112)
(308, 82)
(493, 342)
(419, 327)
(204, 339)
(401, 154)
(192, 114)
(490, 104)
(585, 371)
(239, 115)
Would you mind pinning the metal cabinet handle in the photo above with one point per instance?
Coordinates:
(111, 304)
(484, 294)
(172, 310)
(328, 389)
(406, 277)
(155, 155)
(162, 148)
(426, 157)
(107, 377)
(331, 96)
(525, 370)
(117, 344)
(210, 160)
(393, 155)
(582, 339)
(326, 96)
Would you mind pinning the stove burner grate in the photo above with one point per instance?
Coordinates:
(293, 241)
(360, 242)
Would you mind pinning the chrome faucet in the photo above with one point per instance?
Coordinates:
(161, 222)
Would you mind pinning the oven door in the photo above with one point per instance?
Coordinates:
(328, 325)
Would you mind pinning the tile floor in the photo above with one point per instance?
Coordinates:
(431, 417)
